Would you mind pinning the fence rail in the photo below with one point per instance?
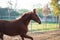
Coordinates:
(47, 24)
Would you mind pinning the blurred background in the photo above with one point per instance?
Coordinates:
(48, 12)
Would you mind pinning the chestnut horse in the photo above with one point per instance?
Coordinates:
(18, 26)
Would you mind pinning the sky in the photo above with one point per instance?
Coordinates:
(27, 4)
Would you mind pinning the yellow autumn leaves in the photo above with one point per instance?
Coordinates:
(55, 6)
(56, 10)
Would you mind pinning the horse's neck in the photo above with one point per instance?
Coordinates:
(26, 22)
(25, 19)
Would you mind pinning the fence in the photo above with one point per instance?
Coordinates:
(50, 23)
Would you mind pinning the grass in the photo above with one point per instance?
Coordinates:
(42, 27)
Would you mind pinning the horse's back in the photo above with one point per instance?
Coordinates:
(12, 27)
(3, 24)
(3, 21)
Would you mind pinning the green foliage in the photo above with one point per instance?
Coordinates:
(23, 11)
(39, 11)
(55, 6)
(4, 13)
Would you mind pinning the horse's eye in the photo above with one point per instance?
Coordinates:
(35, 15)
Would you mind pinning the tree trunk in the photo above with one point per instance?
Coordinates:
(59, 21)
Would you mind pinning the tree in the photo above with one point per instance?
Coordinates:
(55, 4)
(45, 10)
(23, 10)
(5, 15)
(38, 8)
(39, 11)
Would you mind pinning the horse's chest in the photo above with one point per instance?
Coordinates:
(23, 29)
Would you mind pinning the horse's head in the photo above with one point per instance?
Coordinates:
(35, 17)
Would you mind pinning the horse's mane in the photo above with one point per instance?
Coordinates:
(23, 15)
(18, 17)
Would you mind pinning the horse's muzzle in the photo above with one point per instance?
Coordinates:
(40, 22)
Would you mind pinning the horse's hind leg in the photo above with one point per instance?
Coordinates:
(26, 36)
(22, 37)
(1, 36)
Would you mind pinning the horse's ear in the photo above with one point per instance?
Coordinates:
(34, 10)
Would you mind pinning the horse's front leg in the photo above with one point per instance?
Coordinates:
(26, 36)
(1, 36)
(22, 38)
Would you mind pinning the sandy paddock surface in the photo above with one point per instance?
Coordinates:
(50, 35)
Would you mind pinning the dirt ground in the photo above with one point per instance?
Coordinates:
(49, 35)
